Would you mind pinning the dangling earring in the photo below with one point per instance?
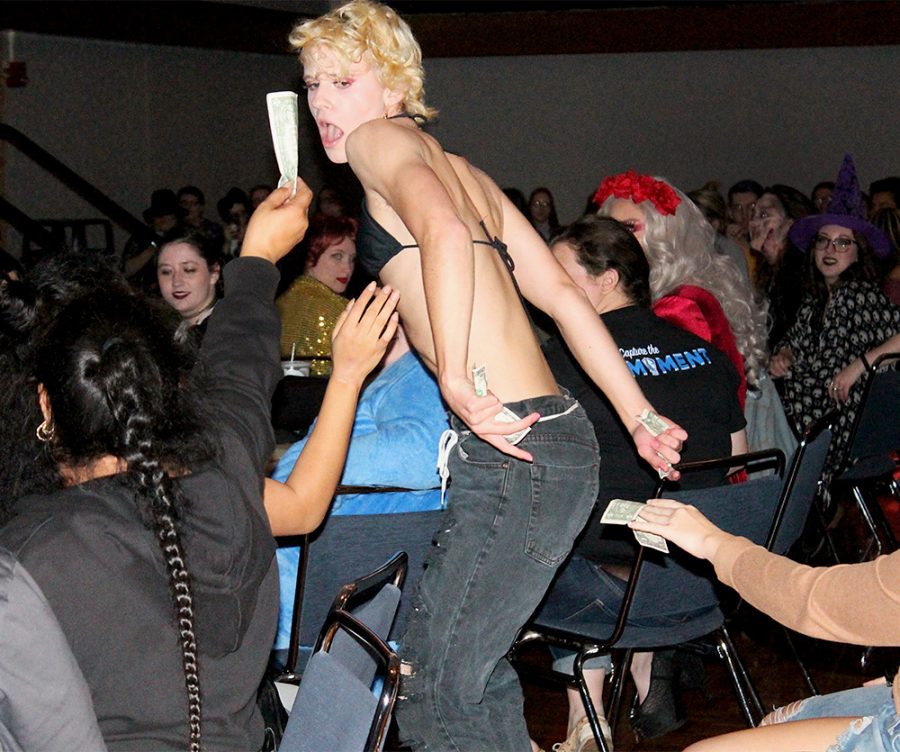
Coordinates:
(44, 432)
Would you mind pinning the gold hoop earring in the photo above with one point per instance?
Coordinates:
(44, 432)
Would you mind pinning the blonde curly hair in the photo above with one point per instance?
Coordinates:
(366, 31)
(681, 250)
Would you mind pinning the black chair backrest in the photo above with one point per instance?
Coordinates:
(876, 430)
(345, 544)
(743, 509)
(800, 486)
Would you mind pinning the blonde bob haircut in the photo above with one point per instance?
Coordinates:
(366, 31)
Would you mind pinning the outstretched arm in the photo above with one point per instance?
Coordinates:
(858, 603)
(545, 283)
(360, 338)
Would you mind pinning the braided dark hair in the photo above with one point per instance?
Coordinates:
(115, 382)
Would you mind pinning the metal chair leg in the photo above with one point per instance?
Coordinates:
(618, 687)
(589, 709)
(870, 522)
(807, 677)
(743, 686)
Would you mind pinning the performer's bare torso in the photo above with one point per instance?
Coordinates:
(501, 337)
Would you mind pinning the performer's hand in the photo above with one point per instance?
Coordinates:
(362, 333)
(479, 414)
(278, 223)
(684, 525)
(662, 451)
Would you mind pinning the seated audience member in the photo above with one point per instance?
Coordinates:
(157, 510)
(331, 202)
(821, 195)
(689, 380)
(779, 270)
(542, 213)
(712, 204)
(192, 200)
(46, 703)
(188, 271)
(741, 201)
(857, 604)
(691, 285)
(394, 442)
(234, 210)
(257, 194)
(884, 194)
(309, 308)
(888, 221)
(164, 219)
(844, 321)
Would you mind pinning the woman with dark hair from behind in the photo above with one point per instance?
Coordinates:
(146, 532)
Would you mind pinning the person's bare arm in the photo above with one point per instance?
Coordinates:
(388, 160)
(359, 340)
(545, 283)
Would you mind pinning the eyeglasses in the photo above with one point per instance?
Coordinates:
(539, 202)
(841, 244)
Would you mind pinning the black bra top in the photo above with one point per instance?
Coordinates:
(375, 246)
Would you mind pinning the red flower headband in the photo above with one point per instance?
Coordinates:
(638, 188)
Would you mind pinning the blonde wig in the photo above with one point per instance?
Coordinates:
(363, 31)
(681, 250)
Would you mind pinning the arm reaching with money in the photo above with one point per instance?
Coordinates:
(683, 525)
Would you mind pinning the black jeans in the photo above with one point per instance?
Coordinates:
(511, 524)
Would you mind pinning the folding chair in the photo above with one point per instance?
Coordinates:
(351, 543)
(766, 510)
(336, 709)
(868, 464)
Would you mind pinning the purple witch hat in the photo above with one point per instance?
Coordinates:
(846, 209)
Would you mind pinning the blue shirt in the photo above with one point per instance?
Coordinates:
(394, 442)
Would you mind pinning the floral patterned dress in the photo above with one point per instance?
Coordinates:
(857, 318)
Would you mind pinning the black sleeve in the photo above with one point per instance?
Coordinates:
(240, 352)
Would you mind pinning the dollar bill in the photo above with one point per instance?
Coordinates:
(652, 422)
(479, 377)
(651, 540)
(508, 416)
(284, 122)
(621, 512)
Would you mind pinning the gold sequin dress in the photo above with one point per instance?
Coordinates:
(308, 311)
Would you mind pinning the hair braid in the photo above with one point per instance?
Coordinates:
(131, 402)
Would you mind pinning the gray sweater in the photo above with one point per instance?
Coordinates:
(102, 571)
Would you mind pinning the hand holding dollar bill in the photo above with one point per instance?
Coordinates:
(621, 512)
(655, 425)
(479, 377)
(284, 121)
